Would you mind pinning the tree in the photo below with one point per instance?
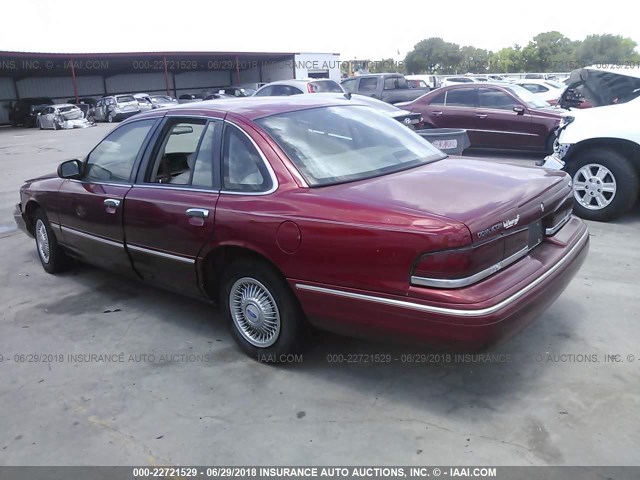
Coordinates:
(386, 65)
(506, 60)
(548, 51)
(475, 60)
(434, 55)
(607, 49)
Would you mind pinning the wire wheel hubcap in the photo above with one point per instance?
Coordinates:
(594, 186)
(255, 312)
(42, 240)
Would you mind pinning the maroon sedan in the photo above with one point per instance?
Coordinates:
(300, 211)
(494, 115)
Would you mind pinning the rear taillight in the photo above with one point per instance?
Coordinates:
(462, 267)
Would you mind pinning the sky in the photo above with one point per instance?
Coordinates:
(355, 29)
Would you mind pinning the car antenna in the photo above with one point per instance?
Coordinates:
(347, 95)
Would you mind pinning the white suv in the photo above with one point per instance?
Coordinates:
(600, 148)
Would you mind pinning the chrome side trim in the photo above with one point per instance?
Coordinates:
(451, 311)
(504, 132)
(272, 174)
(463, 282)
(79, 233)
(164, 186)
(124, 184)
(161, 254)
(553, 230)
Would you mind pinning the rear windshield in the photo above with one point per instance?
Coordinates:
(326, 86)
(66, 109)
(125, 98)
(340, 144)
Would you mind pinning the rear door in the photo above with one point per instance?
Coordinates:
(91, 208)
(457, 109)
(170, 210)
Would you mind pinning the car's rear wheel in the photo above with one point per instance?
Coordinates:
(605, 184)
(51, 255)
(265, 318)
(110, 118)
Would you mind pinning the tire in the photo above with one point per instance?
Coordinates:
(617, 176)
(253, 288)
(51, 255)
(110, 118)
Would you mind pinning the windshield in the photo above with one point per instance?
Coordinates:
(340, 144)
(554, 84)
(125, 99)
(527, 97)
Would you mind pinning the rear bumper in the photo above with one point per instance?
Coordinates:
(19, 219)
(519, 294)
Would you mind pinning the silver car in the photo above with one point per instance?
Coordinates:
(285, 88)
(144, 102)
(116, 107)
(55, 116)
(160, 101)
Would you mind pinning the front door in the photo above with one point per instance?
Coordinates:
(170, 210)
(498, 125)
(91, 208)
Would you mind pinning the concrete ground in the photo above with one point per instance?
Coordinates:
(554, 399)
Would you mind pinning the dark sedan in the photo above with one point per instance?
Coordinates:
(495, 115)
(298, 211)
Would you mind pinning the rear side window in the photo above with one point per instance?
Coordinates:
(368, 85)
(350, 85)
(439, 99)
(393, 83)
(243, 169)
(461, 97)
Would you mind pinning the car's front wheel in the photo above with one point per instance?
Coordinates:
(265, 318)
(51, 255)
(605, 184)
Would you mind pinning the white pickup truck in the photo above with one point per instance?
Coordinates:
(600, 147)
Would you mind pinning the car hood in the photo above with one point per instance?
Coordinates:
(601, 86)
(478, 193)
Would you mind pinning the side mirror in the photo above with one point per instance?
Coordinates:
(518, 109)
(70, 169)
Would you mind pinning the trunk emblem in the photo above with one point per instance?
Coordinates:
(511, 223)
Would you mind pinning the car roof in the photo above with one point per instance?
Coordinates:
(58, 105)
(253, 108)
(298, 81)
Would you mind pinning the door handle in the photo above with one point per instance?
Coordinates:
(198, 212)
(437, 113)
(111, 202)
(481, 115)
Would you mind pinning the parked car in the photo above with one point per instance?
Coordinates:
(238, 91)
(25, 111)
(494, 115)
(600, 149)
(388, 87)
(458, 80)
(417, 84)
(430, 80)
(286, 88)
(218, 96)
(312, 212)
(86, 104)
(190, 97)
(160, 101)
(405, 117)
(144, 101)
(114, 108)
(536, 76)
(59, 116)
(546, 90)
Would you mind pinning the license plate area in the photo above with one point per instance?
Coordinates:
(536, 233)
